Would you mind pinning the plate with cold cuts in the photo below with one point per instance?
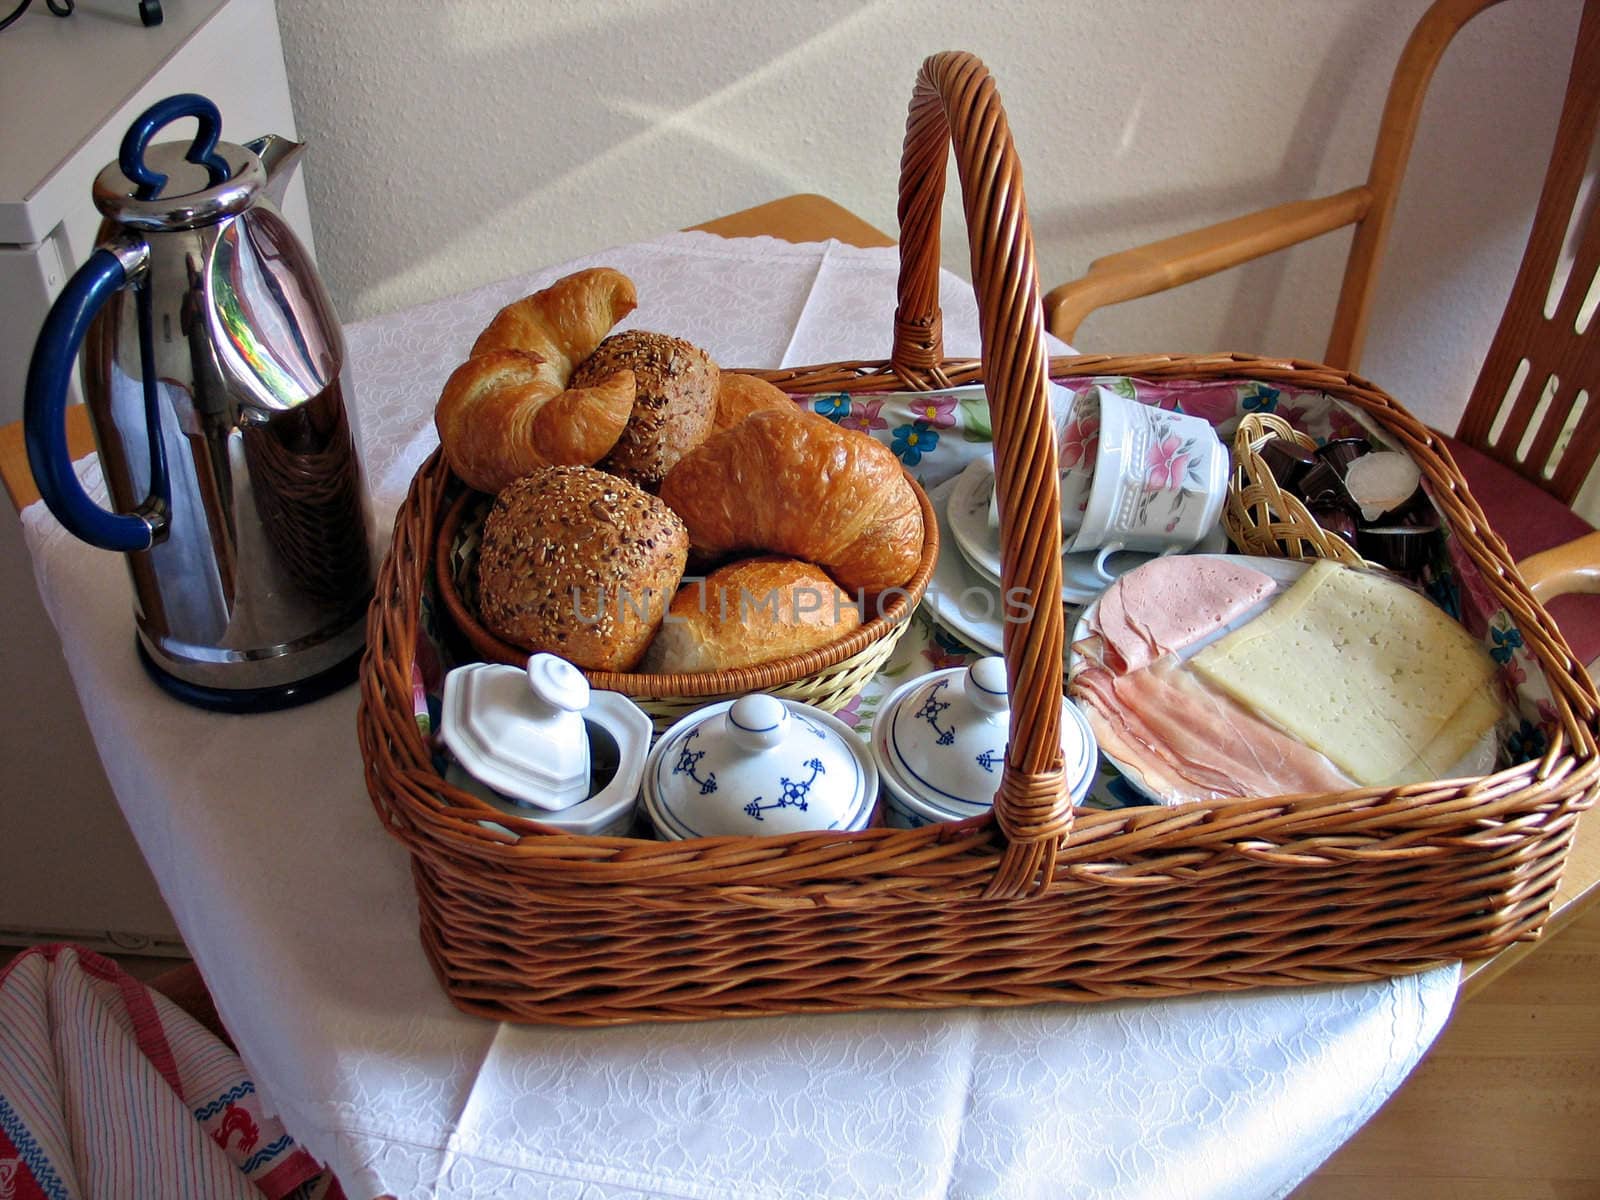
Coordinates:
(1188, 708)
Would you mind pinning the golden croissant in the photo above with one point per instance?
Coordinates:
(740, 395)
(507, 411)
(793, 483)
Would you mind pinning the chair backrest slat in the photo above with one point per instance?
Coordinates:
(1562, 363)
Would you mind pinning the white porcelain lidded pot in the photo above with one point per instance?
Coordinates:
(940, 742)
(539, 743)
(521, 732)
(758, 765)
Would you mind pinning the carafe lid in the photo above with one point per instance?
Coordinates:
(188, 199)
(173, 185)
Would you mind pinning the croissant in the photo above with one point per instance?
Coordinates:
(793, 483)
(507, 410)
(740, 395)
(750, 611)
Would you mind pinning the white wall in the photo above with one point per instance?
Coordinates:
(459, 142)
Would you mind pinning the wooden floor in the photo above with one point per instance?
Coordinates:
(1506, 1105)
(142, 967)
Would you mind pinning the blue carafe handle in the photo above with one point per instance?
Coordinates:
(202, 151)
(45, 405)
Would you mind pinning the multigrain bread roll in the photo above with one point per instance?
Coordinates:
(508, 409)
(675, 390)
(579, 563)
(795, 484)
(751, 611)
(740, 395)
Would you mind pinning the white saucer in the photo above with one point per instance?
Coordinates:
(966, 517)
(959, 598)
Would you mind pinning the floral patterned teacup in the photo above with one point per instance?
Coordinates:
(1158, 485)
(1077, 435)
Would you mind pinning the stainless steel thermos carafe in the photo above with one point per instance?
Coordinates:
(214, 371)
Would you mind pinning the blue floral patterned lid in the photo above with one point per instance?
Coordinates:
(758, 765)
(942, 738)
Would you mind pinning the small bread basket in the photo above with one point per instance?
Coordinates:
(1265, 519)
(826, 678)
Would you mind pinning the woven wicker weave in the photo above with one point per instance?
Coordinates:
(1034, 902)
(1263, 518)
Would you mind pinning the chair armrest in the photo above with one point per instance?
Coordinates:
(1571, 567)
(1158, 266)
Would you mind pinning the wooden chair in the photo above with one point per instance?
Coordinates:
(1529, 435)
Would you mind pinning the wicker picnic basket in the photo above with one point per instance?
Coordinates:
(1034, 902)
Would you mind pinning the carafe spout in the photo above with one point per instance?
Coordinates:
(280, 156)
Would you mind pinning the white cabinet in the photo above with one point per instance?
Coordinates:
(68, 90)
(30, 276)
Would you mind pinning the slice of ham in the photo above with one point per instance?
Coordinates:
(1190, 742)
(1170, 786)
(1170, 603)
(1124, 646)
(1126, 738)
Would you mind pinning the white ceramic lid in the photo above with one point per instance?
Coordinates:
(941, 739)
(758, 765)
(620, 733)
(521, 732)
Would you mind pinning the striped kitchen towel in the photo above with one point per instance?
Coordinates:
(108, 1089)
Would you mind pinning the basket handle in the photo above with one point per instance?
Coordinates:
(955, 102)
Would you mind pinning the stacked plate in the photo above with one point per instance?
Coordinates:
(964, 595)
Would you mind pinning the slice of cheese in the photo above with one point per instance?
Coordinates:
(1364, 670)
(1456, 749)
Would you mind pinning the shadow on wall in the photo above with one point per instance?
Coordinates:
(463, 124)
(1243, 318)
(468, 143)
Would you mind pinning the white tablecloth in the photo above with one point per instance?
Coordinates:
(300, 912)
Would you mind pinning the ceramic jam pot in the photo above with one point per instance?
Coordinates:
(940, 742)
(539, 743)
(521, 732)
(758, 765)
